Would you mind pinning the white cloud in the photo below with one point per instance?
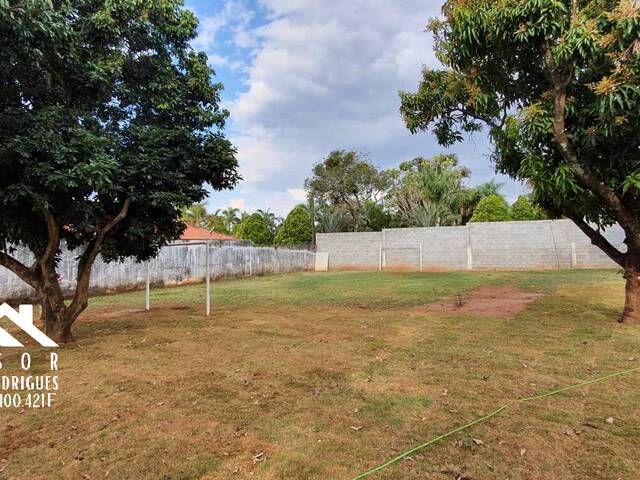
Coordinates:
(207, 31)
(238, 203)
(298, 194)
(216, 60)
(234, 17)
(324, 76)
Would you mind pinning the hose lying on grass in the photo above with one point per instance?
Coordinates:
(487, 417)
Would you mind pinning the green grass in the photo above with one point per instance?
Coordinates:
(374, 289)
(322, 376)
(394, 409)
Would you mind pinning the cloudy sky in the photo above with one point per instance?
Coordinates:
(304, 77)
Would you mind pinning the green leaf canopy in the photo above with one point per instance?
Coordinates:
(103, 101)
(557, 83)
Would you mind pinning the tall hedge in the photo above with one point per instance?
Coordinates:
(493, 208)
(255, 228)
(296, 228)
(523, 209)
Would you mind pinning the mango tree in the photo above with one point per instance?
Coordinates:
(556, 83)
(109, 125)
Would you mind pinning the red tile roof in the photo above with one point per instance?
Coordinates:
(198, 233)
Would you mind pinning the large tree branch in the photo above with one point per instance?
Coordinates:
(574, 11)
(79, 301)
(118, 218)
(53, 243)
(49, 286)
(561, 78)
(93, 249)
(25, 273)
(41, 276)
(600, 241)
(481, 118)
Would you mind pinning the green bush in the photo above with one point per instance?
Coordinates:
(523, 209)
(255, 228)
(377, 217)
(296, 228)
(493, 208)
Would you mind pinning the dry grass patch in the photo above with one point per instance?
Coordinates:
(288, 384)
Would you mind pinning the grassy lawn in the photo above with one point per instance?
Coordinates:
(322, 376)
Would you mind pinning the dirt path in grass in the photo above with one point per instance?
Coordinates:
(504, 302)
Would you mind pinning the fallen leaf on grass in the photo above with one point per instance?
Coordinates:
(457, 472)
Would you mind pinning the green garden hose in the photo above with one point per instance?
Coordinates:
(487, 417)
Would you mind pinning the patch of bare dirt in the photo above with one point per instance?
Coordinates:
(504, 302)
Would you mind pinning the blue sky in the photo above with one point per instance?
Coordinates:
(304, 77)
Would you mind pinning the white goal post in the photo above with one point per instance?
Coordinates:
(384, 247)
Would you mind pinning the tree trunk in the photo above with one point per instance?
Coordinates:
(631, 313)
(56, 315)
(57, 318)
(58, 327)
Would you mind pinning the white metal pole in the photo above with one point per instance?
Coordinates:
(208, 281)
(380, 259)
(555, 244)
(469, 250)
(420, 257)
(384, 250)
(147, 299)
(574, 253)
(250, 261)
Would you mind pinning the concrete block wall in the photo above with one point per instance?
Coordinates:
(442, 247)
(174, 265)
(541, 244)
(498, 245)
(351, 250)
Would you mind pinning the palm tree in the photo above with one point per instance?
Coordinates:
(195, 214)
(270, 219)
(492, 187)
(330, 220)
(229, 217)
(243, 216)
(431, 192)
(215, 223)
